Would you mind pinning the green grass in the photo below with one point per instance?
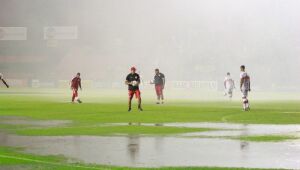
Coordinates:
(14, 158)
(111, 107)
(267, 138)
(99, 107)
(11, 158)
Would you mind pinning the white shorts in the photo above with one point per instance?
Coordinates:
(245, 93)
(229, 90)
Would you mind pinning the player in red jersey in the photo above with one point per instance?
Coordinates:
(75, 84)
(133, 80)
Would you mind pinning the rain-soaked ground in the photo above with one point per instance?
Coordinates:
(11, 120)
(156, 151)
(231, 129)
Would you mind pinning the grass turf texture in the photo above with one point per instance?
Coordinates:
(103, 108)
(14, 159)
(267, 138)
(106, 108)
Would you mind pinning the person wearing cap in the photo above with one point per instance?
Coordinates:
(159, 82)
(75, 84)
(133, 81)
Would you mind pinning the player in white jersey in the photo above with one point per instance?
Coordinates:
(245, 88)
(229, 85)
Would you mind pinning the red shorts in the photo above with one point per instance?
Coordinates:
(137, 93)
(159, 90)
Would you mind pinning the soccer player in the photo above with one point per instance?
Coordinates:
(3, 81)
(245, 88)
(133, 81)
(159, 82)
(75, 84)
(229, 85)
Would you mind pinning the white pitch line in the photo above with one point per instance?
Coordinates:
(49, 163)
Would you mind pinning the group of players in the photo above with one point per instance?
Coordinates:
(133, 81)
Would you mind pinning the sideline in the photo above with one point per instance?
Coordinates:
(49, 163)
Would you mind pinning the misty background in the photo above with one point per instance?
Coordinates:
(189, 40)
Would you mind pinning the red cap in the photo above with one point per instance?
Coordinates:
(132, 68)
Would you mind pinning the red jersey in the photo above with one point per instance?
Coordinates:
(76, 82)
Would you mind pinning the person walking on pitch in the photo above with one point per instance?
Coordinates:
(133, 81)
(245, 88)
(75, 84)
(159, 82)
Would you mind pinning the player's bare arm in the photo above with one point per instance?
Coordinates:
(80, 85)
(249, 86)
(233, 84)
(71, 87)
(138, 81)
(3, 81)
(128, 82)
(241, 83)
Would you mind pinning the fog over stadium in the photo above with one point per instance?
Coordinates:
(189, 40)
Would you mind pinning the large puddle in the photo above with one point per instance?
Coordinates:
(233, 130)
(229, 129)
(180, 150)
(135, 151)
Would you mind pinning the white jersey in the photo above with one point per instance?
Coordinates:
(246, 81)
(229, 83)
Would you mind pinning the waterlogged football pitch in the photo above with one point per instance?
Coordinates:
(41, 129)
